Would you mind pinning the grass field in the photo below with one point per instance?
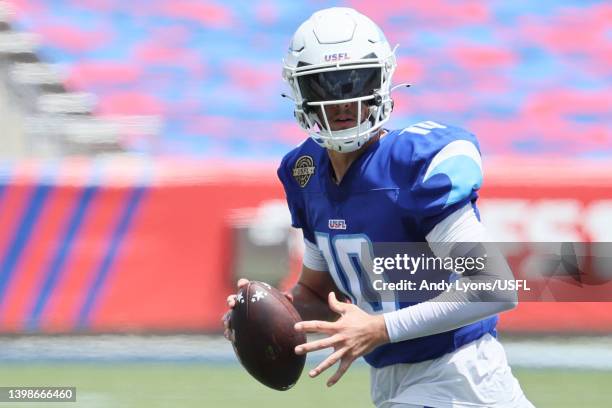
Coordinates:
(227, 385)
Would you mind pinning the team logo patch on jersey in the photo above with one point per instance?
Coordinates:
(303, 169)
(337, 224)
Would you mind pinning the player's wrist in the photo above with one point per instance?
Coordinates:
(380, 328)
(390, 325)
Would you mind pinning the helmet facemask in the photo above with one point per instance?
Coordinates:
(360, 89)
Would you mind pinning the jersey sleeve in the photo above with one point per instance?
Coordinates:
(295, 202)
(446, 175)
(313, 257)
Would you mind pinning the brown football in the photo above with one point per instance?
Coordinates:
(264, 336)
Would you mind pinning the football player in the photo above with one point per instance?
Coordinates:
(353, 184)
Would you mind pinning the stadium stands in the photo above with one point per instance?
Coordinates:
(530, 78)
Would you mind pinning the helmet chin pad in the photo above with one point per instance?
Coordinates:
(345, 141)
(342, 140)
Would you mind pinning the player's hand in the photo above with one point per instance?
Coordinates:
(356, 333)
(231, 302)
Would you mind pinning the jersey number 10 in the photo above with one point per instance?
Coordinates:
(349, 258)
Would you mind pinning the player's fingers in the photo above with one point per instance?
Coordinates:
(242, 282)
(328, 362)
(345, 363)
(315, 326)
(317, 345)
(229, 334)
(231, 301)
(336, 305)
(226, 319)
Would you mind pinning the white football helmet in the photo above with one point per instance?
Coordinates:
(340, 56)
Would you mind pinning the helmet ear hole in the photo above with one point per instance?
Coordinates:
(306, 108)
(377, 99)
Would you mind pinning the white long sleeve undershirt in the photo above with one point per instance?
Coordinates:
(457, 309)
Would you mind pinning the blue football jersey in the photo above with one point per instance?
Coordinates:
(402, 186)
